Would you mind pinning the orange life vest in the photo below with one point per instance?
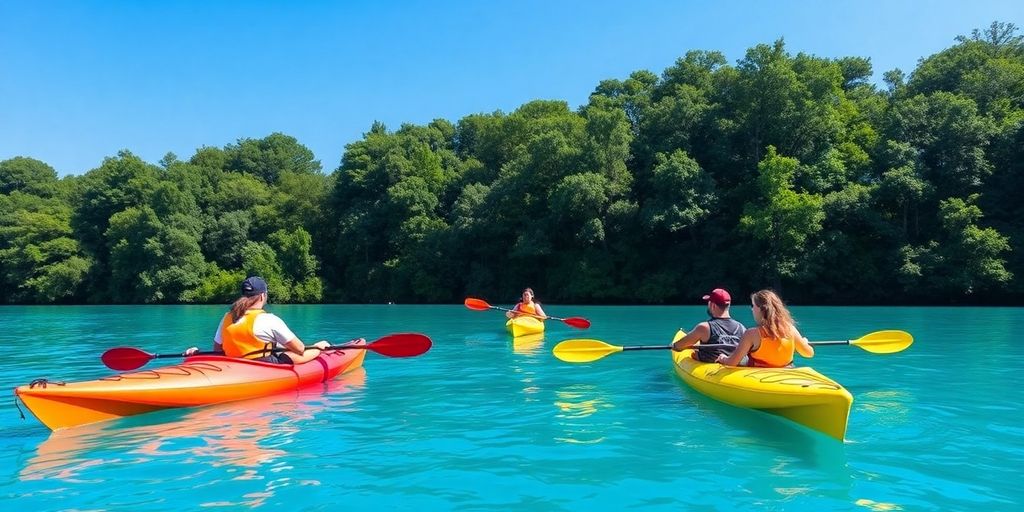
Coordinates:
(238, 340)
(773, 352)
(528, 309)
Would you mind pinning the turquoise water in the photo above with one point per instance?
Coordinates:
(480, 423)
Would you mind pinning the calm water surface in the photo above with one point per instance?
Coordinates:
(481, 423)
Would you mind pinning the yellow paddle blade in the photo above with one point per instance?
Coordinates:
(583, 351)
(884, 342)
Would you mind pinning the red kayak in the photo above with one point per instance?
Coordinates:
(199, 380)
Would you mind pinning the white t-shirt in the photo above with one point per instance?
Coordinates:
(267, 327)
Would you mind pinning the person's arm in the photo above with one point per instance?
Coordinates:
(750, 337)
(512, 313)
(285, 337)
(539, 310)
(700, 332)
(217, 345)
(295, 345)
(801, 345)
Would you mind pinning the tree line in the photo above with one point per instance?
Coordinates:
(789, 171)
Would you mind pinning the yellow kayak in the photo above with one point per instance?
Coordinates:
(524, 325)
(798, 394)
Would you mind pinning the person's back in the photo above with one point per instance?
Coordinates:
(772, 343)
(772, 351)
(723, 331)
(719, 329)
(249, 332)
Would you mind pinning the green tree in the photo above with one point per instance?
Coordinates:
(780, 218)
(270, 156)
(683, 194)
(40, 262)
(298, 265)
(27, 175)
(260, 259)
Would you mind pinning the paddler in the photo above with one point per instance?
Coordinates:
(771, 344)
(249, 332)
(718, 329)
(527, 307)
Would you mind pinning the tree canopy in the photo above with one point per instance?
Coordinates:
(790, 171)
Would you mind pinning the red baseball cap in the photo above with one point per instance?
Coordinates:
(718, 296)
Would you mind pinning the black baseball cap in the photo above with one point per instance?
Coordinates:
(253, 286)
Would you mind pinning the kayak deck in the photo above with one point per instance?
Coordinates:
(200, 380)
(801, 395)
(524, 326)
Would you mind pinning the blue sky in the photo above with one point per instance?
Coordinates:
(80, 80)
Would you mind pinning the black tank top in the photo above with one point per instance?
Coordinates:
(723, 331)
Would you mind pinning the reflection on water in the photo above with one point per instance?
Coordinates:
(247, 437)
(531, 344)
(889, 408)
(759, 430)
(576, 403)
(877, 506)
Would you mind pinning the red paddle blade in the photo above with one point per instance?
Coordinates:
(401, 345)
(123, 359)
(477, 304)
(577, 322)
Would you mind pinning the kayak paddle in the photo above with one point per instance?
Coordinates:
(393, 345)
(587, 350)
(482, 305)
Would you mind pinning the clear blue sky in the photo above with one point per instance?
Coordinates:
(80, 80)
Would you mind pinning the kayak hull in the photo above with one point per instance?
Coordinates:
(801, 395)
(524, 326)
(197, 381)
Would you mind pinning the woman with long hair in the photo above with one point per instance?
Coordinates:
(527, 306)
(771, 344)
(249, 332)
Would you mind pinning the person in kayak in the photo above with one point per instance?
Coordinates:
(527, 307)
(771, 344)
(718, 329)
(249, 332)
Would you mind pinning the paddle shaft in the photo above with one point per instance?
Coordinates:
(273, 350)
(720, 345)
(499, 308)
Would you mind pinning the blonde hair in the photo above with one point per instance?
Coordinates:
(775, 318)
(241, 305)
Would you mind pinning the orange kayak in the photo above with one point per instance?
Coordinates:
(199, 380)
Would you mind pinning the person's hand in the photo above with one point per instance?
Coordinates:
(322, 344)
(721, 358)
(191, 350)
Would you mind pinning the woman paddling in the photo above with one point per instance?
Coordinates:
(249, 332)
(527, 307)
(772, 342)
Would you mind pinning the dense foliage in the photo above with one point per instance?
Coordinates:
(791, 171)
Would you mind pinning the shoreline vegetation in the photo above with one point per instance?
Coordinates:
(781, 170)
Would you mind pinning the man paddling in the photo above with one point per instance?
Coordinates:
(719, 328)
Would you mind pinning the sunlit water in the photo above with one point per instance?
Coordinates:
(482, 423)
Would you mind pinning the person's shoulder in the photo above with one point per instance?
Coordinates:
(271, 317)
